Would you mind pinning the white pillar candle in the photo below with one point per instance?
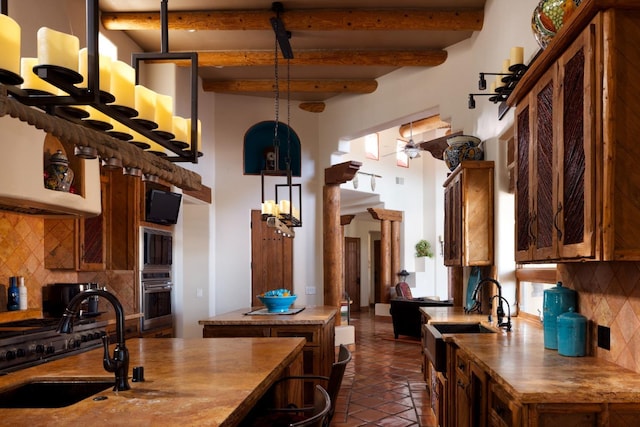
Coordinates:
(505, 66)
(517, 55)
(164, 112)
(57, 48)
(119, 127)
(492, 87)
(284, 207)
(123, 80)
(104, 67)
(95, 114)
(145, 101)
(31, 79)
(499, 83)
(10, 42)
(180, 129)
(199, 134)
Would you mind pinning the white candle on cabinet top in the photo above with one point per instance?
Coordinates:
(517, 55)
(145, 101)
(57, 48)
(123, 78)
(104, 70)
(10, 42)
(164, 112)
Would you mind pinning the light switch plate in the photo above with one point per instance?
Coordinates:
(310, 290)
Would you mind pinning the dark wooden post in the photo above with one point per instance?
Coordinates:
(389, 249)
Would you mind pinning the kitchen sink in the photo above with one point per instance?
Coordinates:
(436, 348)
(51, 394)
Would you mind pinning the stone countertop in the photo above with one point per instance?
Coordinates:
(518, 361)
(309, 316)
(212, 382)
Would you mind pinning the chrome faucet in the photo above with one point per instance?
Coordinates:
(119, 364)
(477, 305)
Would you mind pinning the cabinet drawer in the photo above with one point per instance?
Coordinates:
(502, 409)
(461, 364)
(233, 331)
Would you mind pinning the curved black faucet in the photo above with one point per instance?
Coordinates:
(506, 324)
(120, 362)
(477, 306)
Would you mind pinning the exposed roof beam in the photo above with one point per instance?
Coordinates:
(303, 20)
(299, 86)
(391, 58)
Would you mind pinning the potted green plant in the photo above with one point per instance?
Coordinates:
(423, 249)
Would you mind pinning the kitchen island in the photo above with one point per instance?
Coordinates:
(511, 379)
(315, 324)
(187, 382)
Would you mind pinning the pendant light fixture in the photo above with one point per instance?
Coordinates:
(283, 212)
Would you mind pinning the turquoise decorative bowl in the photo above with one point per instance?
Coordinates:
(277, 304)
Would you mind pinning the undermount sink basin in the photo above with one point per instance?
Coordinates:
(436, 348)
(462, 328)
(51, 394)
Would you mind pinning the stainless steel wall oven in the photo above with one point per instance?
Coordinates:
(155, 278)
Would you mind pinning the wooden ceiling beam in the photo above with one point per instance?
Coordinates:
(298, 86)
(391, 58)
(303, 20)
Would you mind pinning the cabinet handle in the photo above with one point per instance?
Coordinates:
(555, 221)
(461, 366)
(461, 384)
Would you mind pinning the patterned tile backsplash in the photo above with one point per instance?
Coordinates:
(609, 295)
(22, 254)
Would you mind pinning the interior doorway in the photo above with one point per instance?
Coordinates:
(376, 271)
(352, 271)
(271, 259)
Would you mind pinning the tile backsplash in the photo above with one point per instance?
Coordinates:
(22, 254)
(609, 295)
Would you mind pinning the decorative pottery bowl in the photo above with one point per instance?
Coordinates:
(463, 147)
(277, 304)
(549, 16)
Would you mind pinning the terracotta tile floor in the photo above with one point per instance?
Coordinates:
(383, 383)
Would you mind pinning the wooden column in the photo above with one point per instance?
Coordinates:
(333, 254)
(389, 249)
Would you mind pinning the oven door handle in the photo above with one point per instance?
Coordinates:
(157, 288)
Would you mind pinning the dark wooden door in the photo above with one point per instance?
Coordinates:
(271, 259)
(352, 270)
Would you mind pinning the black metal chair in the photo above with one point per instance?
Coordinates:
(333, 383)
(291, 416)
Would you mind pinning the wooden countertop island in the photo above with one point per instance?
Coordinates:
(213, 382)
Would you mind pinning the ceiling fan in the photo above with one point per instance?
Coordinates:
(411, 149)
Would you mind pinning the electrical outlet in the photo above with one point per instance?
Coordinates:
(310, 290)
(604, 337)
(199, 293)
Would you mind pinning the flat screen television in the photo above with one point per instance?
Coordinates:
(162, 207)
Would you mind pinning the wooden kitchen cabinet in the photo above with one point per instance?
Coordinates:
(104, 242)
(576, 145)
(469, 385)
(468, 219)
(503, 410)
(555, 136)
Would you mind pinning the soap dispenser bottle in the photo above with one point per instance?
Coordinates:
(22, 292)
(13, 294)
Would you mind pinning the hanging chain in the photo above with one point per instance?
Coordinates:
(276, 88)
(288, 158)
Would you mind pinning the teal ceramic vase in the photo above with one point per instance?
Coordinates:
(549, 16)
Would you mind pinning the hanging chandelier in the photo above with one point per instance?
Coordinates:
(283, 211)
(80, 98)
